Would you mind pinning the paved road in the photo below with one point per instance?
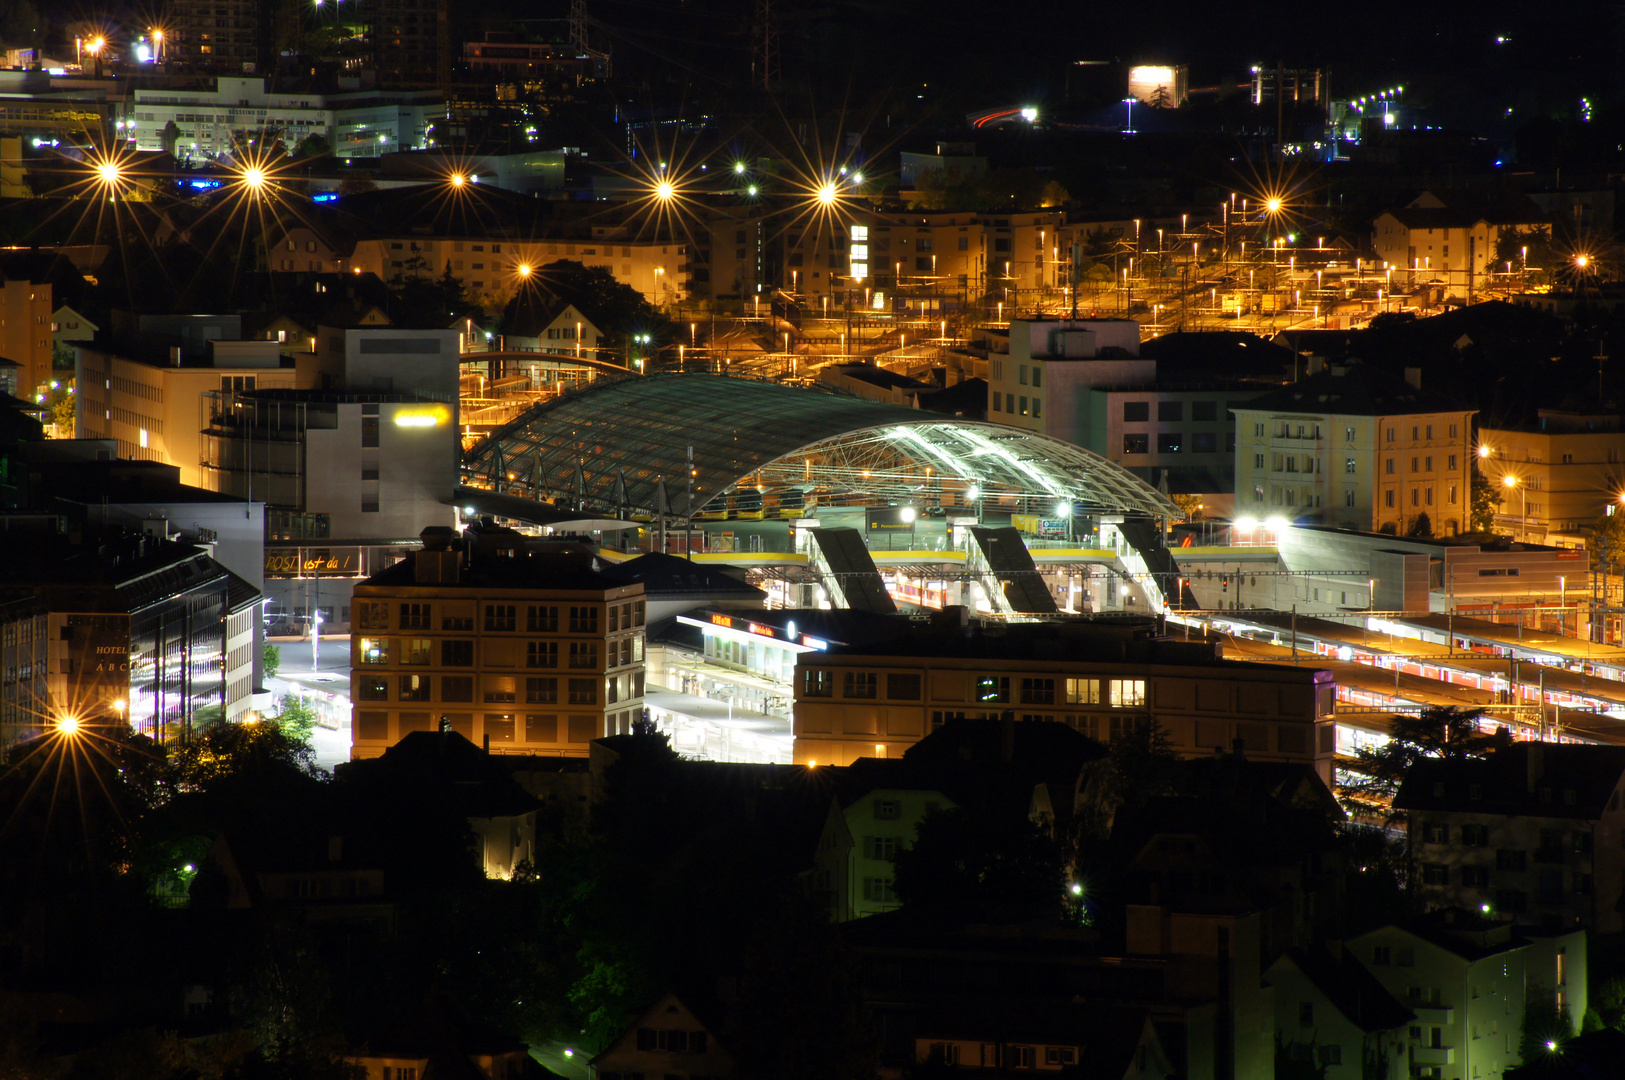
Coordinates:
(327, 687)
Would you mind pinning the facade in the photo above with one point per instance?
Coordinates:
(865, 830)
(878, 701)
(1330, 1012)
(217, 123)
(137, 626)
(154, 410)
(525, 652)
(347, 473)
(1565, 473)
(667, 1039)
(1468, 979)
(25, 332)
(229, 36)
(1535, 832)
(1357, 448)
(25, 627)
(1449, 239)
(68, 325)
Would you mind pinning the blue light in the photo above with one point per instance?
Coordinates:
(326, 196)
(205, 185)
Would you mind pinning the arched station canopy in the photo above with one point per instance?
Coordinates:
(631, 443)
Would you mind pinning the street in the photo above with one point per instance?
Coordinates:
(327, 688)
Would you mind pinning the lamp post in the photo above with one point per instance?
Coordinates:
(1509, 482)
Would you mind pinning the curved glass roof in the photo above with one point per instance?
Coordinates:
(617, 442)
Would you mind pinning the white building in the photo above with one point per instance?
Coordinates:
(214, 123)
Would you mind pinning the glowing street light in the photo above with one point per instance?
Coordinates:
(254, 177)
(1273, 205)
(665, 190)
(523, 270)
(109, 173)
(458, 180)
(827, 193)
(69, 725)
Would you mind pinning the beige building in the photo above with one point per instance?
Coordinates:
(1355, 447)
(525, 652)
(1450, 240)
(156, 411)
(25, 332)
(852, 703)
(1557, 478)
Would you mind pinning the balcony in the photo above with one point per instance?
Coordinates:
(1436, 1015)
(1433, 1055)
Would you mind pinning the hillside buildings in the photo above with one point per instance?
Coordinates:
(525, 652)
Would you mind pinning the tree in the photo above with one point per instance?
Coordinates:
(296, 718)
(227, 750)
(1140, 766)
(1546, 1023)
(615, 308)
(1447, 733)
(1606, 541)
(1485, 498)
(1055, 194)
(981, 864)
(1422, 526)
(313, 145)
(801, 1013)
(271, 660)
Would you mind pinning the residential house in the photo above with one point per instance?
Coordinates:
(1450, 237)
(1010, 1040)
(1332, 1013)
(1534, 833)
(1556, 477)
(667, 1039)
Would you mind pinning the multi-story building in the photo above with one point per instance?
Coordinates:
(25, 331)
(229, 36)
(1354, 446)
(526, 652)
(1453, 241)
(877, 700)
(348, 471)
(1468, 978)
(1555, 478)
(151, 403)
(213, 123)
(25, 628)
(138, 625)
(410, 40)
(1084, 381)
(1534, 833)
(1331, 1013)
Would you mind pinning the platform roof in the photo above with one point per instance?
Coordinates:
(620, 441)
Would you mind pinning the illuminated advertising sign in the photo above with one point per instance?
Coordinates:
(423, 416)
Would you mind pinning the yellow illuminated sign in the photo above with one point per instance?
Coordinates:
(431, 416)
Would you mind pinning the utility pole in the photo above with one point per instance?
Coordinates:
(578, 27)
(764, 47)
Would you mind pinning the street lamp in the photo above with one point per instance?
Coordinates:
(1509, 482)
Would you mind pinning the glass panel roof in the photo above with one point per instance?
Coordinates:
(792, 446)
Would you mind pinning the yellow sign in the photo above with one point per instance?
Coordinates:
(428, 416)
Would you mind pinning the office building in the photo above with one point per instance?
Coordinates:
(523, 651)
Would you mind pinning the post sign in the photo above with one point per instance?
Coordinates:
(890, 519)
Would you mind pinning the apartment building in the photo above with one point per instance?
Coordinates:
(524, 652)
(1555, 477)
(1353, 446)
(25, 331)
(877, 700)
(1467, 979)
(1535, 833)
(1449, 238)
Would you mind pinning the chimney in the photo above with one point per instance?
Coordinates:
(1238, 750)
(1413, 375)
(1536, 759)
(175, 355)
(437, 563)
(1317, 364)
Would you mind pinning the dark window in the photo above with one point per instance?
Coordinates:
(542, 654)
(540, 691)
(1514, 861)
(584, 654)
(369, 431)
(1434, 832)
(1205, 442)
(583, 620)
(1037, 691)
(1475, 835)
(1204, 410)
(1170, 442)
(903, 687)
(373, 688)
(1136, 444)
(1475, 877)
(816, 683)
(1435, 874)
(500, 617)
(860, 684)
(456, 654)
(1170, 410)
(414, 688)
(541, 728)
(583, 691)
(414, 616)
(1135, 411)
(457, 688)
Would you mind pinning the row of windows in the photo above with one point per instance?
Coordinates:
(1135, 412)
(419, 652)
(498, 727)
(1173, 442)
(1036, 407)
(498, 690)
(1553, 842)
(502, 617)
(1032, 690)
(1422, 464)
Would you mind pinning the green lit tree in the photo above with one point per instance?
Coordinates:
(1442, 732)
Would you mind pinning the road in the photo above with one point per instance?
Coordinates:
(326, 687)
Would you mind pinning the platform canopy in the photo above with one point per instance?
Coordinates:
(639, 442)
